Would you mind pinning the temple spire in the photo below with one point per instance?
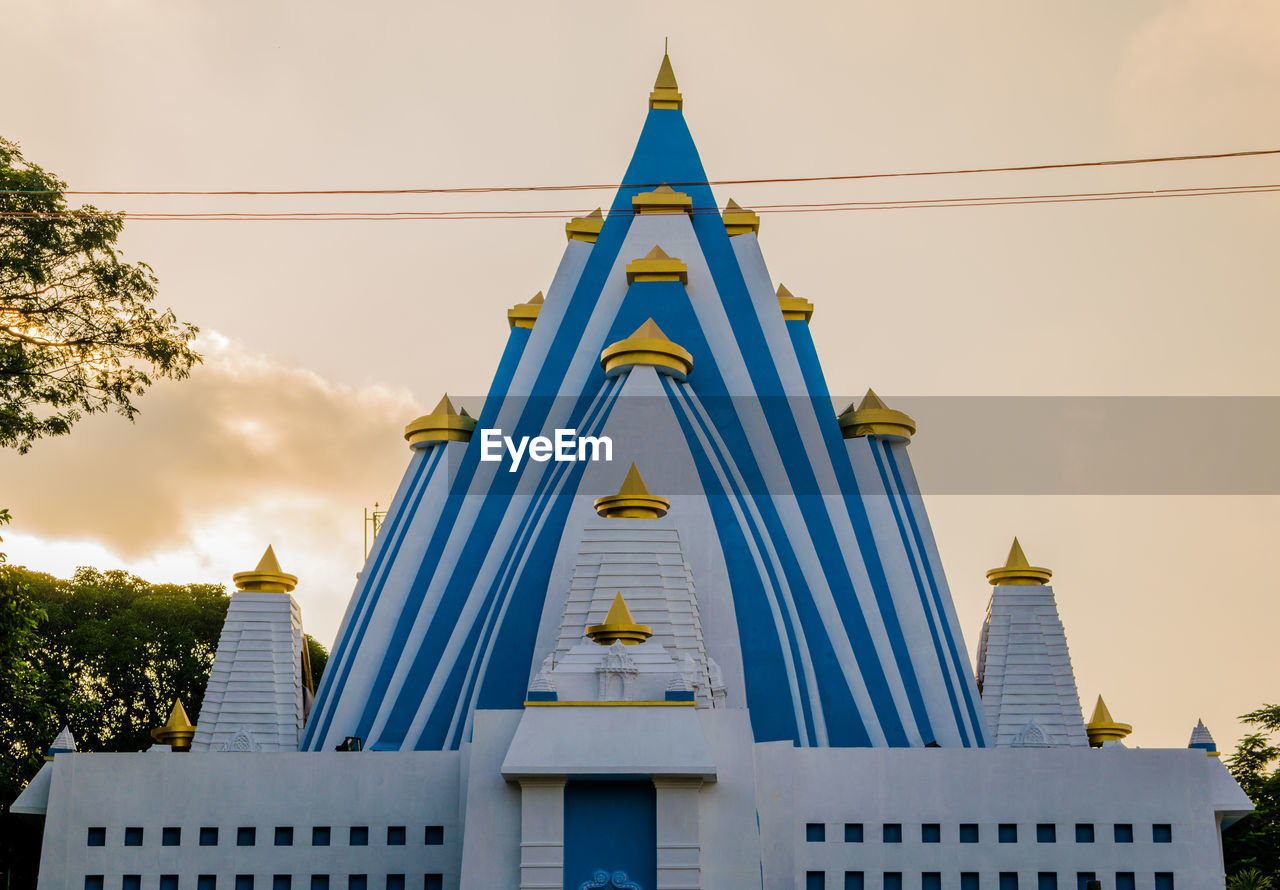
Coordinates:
(666, 92)
(1017, 570)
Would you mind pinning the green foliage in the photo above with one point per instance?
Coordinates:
(106, 653)
(1251, 847)
(319, 656)
(78, 333)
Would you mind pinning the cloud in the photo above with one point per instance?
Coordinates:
(246, 436)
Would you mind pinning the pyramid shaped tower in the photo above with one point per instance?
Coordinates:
(820, 596)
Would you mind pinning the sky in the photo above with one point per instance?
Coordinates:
(322, 339)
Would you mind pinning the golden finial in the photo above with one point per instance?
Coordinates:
(523, 315)
(1017, 571)
(443, 424)
(178, 731)
(663, 199)
(647, 345)
(585, 228)
(738, 221)
(268, 577)
(793, 308)
(666, 92)
(633, 500)
(874, 418)
(657, 266)
(1103, 728)
(619, 626)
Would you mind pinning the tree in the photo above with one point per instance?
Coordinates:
(78, 333)
(1253, 843)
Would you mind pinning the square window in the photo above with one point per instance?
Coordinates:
(434, 835)
(968, 832)
(969, 880)
(97, 837)
(358, 882)
(246, 837)
(284, 836)
(395, 835)
(1046, 834)
(1124, 834)
(133, 837)
(931, 833)
(131, 882)
(1162, 834)
(1083, 878)
(815, 832)
(168, 882)
(853, 833)
(1008, 880)
(433, 882)
(319, 882)
(170, 837)
(395, 882)
(853, 880)
(93, 882)
(282, 882)
(931, 880)
(320, 836)
(207, 882)
(815, 880)
(244, 882)
(1007, 833)
(1084, 833)
(892, 833)
(1164, 880)
(1125, 881)
(1047, 880)
(208, 837)
(893, 880)
(359, 836)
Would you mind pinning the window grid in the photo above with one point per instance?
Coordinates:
(207, 882)
(359, 836)
(168, 882)
(893, 880)
(131, 882)
(931, 880)
(853, 880)
(320, 836)
(815, 880)
(1123, 835)
(1162, 834)
(434, 835)
(94, 882)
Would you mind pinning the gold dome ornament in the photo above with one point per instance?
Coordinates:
(657, 266)
(738, 220)
(1102, 727)
(178, 731)
(443, 424)
(1017, 571)
(874, 418)
(647, 345)
(585, 228)
(666, 92)
(268, 577)
(619, 626)
(633, 500)
(796, 308)
(523, 315)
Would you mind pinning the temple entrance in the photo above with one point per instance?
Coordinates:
(610, 836)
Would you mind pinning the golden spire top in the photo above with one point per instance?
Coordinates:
(633, 500)
(739, 221)
(666, 92)
(657, 266)
(523, 315)
(663, 199)
(268, 577)
(179, 729)
(619, 626)
(874, 418)
(1018, 571)
(443, 424)
(793, 308)
(647, 345)
(585, 228)
(1102, 727)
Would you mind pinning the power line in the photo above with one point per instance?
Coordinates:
(821, 207)
(611, 186)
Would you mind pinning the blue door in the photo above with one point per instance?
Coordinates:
(610, 836)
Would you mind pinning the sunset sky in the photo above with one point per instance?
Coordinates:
(322, 339)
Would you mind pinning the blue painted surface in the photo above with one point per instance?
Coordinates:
(610, 826)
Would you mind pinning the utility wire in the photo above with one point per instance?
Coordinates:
(611, 186)
(456, 215)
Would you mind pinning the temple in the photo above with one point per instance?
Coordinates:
(657, 616)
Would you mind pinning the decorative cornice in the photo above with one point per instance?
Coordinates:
(523, 315)
(793, 308)
(1017, 571)
(633, 500)
(874, 418)
(647, 345)
(585, 228)
(739, 221)
(663, 199)
(657, 266)
(268, 577)
(444, 424)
